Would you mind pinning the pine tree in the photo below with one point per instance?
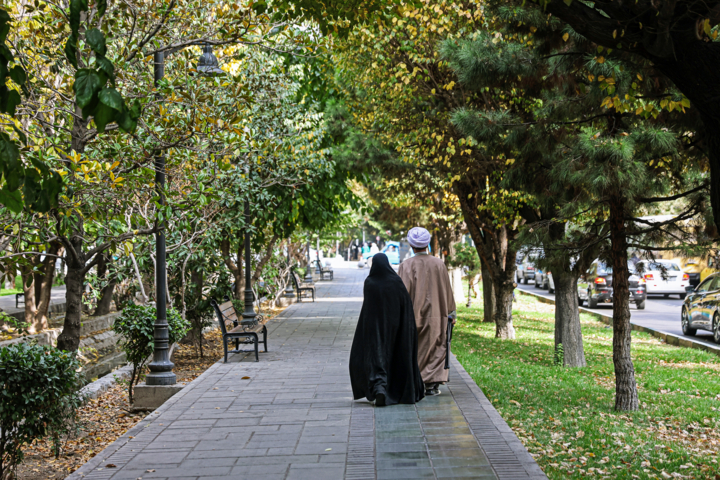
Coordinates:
(585, 158)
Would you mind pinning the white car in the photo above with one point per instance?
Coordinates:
(673, 282)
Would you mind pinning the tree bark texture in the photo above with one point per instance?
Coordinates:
(488, 295)
(626, 394)
(37, 288)
(503, 311)
(69, 339)
(235, 266)
(265, 258)
(103, 306)
(568, 332)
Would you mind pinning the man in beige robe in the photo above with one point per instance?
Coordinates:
(428, 282)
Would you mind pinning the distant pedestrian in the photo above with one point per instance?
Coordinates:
(383, 358)
(428, 283)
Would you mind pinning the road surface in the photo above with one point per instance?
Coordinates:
(661, 314)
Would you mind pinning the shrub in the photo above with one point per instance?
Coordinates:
(39, 397)
(136, 324)
(18, 326)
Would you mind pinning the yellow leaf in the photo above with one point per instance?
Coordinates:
(566, 36)
(601, 60)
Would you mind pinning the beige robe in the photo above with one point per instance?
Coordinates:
(428, 282)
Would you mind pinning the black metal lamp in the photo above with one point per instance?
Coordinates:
(161, 367)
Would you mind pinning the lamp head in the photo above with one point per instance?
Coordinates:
(208, 62)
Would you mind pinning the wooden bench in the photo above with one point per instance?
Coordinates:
(298, 289)
(233, 330)
(324, 271)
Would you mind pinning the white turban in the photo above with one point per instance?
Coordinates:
(418, 237)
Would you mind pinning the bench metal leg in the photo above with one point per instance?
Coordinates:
(265, 335)
(225, 340)
(257, 342)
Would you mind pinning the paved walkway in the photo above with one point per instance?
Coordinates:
(291, 416)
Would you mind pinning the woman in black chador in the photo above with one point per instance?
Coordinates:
(383, 359)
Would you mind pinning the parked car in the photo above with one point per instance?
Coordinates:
(598, 283)
(663, 277)
(701, 308)
(542, 279)
(526, 270)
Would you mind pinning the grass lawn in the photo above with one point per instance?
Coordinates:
(565, 417)
(17, 289)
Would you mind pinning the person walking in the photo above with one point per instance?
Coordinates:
(383, 358)
(428, 283)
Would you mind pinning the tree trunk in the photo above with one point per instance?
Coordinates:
(488, 295)
(103, 306)
(626, 395)
(568, 333)
(37, 288)
(28, 283)
(197, 279)
(69, 339)
(265, 258)
(503, 311)
(235, 266)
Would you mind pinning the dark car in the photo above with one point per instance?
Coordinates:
(599, 286)
(701, 309)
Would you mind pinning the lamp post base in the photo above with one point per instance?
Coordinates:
(161, 378)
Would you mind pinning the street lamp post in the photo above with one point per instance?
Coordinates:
(317, 253)
(248, 315)
(161, 367)
(308, 270)
(289, 291)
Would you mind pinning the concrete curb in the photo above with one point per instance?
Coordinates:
(669, 338)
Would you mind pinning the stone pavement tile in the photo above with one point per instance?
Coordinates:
(280, 459)
(380, 438)
(168, 456)
(406, 455)
(461, 462)
(312, 439)
(403, 463)
(228, 451)
(173, 472)
(481, 473)
(259, 469)
(315, 472)
(321, 448)
(405, 473)
(320, 431)
(204, 462)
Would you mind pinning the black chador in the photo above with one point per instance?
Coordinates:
(383, 359)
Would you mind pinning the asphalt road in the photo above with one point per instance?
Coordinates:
(662, 314)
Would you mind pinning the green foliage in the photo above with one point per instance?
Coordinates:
(39, 394)
(20, 326)
(136, 324)
(40, 186)
(466, 256)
